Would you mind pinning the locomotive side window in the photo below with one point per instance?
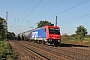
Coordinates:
(54, 31)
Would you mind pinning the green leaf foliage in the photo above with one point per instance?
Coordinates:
(43, 23)
(81, 32)
(11, 35)
(6, 53)
(2, 29)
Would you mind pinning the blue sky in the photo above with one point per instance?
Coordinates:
(24, 14)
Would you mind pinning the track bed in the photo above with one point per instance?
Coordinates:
(33, 51)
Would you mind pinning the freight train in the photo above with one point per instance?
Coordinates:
(49, 35)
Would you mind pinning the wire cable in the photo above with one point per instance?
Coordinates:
(50, 8)
(27, 7)
(32, 9)
(69, 9)
(79, 17)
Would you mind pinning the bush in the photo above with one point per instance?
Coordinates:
(6, 53)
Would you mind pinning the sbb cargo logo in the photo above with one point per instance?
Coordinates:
(35, 34)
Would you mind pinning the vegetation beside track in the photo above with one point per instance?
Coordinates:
(72, 40)
(6, 53)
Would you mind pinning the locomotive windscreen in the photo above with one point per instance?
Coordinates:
(54, 31)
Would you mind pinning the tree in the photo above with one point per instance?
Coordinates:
(2, 28)
(81, 32)
(43, 23)
(1, 22)
(11, 35)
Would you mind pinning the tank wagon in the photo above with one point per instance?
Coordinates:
(27, 35)
(48, 35)
(21, 36)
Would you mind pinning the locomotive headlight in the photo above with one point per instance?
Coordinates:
(58, 40)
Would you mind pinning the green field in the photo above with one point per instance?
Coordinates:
(85, 42)
(6, 53)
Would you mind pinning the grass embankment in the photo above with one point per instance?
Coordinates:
(85, 42)
(6, 53)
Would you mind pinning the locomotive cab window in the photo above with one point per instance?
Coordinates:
(54, 31)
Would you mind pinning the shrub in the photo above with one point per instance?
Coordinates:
(6, 53)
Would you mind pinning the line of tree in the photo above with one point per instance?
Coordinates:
(10, 35)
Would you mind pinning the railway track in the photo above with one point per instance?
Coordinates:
(34, 51)
(66, 52)
(48, 55)
(41, 54)
(76, 53)
(26, 53)
(77, 50)
(84, 49)
(47, 48)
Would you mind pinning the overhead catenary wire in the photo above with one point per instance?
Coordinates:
(75, 19)
(32, 10)
(55, 6)
(44, 6)
(62, 11)
(27, 7)
(47, 4)
(50, 8)
(69, 9)
(45, 10)
(17, 19)
(78, 10)
(79, 17)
